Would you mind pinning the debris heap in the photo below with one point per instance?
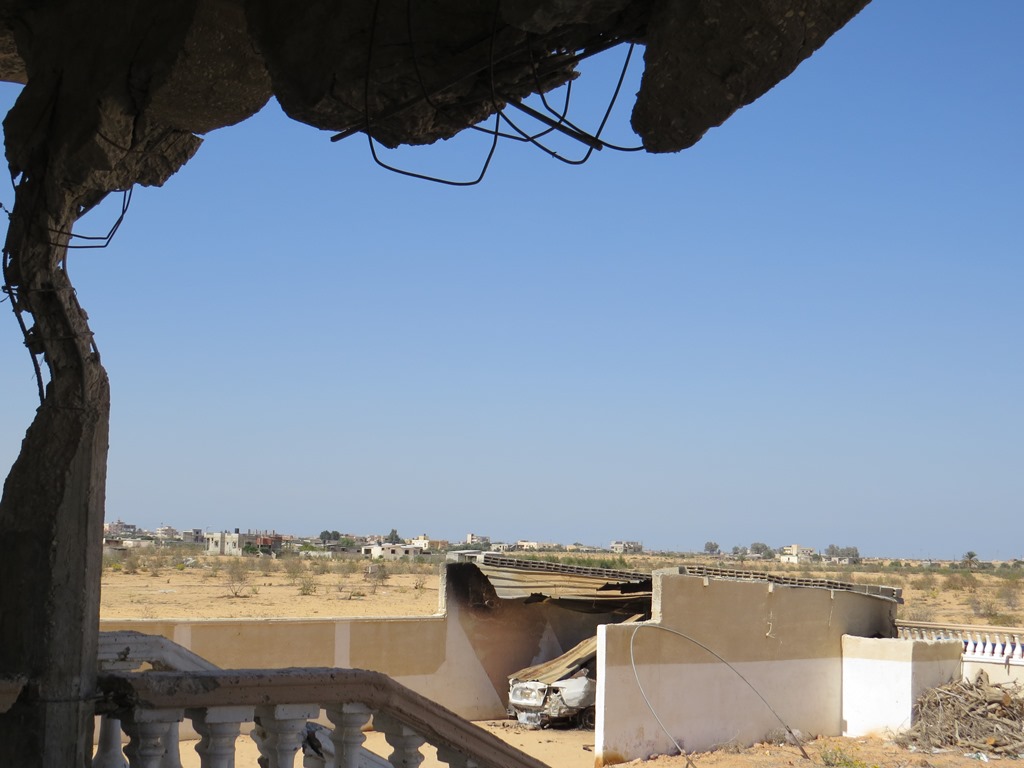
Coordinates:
(979, 715)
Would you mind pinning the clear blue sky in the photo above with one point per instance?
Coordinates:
(807, 328)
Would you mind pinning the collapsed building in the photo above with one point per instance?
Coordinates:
(118, 93)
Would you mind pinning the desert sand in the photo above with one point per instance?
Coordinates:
(159, 587)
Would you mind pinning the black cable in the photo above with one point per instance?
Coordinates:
(572, 125)
(104, 240)
(561, 122)
(699, 644)
(366, 111)
(604, 120)
(11, 292)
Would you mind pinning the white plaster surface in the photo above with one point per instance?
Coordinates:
(883, 677)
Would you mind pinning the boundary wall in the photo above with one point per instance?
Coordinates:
(459, 657)
(782, 643)
(882, 678)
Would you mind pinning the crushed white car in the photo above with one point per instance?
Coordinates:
(538, 704)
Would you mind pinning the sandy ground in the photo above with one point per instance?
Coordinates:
(575, 749)
(210, 593)
(159, 589)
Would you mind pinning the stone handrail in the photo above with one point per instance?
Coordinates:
(127, 650)
(282, 701)
(981, 643)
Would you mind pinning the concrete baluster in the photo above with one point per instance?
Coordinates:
(285, 726)
(405, 741)
(218, 728)
(108, 747)
(348, 721)
(455, 759)
(172, 748)
(1018, 649)
(147, 730)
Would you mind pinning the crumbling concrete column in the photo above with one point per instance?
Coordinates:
(74, 135)
(52, 504)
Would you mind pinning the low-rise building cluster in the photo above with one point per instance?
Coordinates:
(120, 535)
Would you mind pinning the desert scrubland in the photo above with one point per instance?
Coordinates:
(167, 583)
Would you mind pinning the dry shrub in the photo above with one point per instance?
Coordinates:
(238, 574)
(925, 582)
(294, 568)
(961, 582)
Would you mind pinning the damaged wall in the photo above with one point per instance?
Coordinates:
(459, 658)
(786, 641)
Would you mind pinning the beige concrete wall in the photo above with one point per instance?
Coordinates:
(882, 678)
(459, 658)
(785, 641)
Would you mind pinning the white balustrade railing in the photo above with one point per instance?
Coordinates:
(281, 703)
(1000, 644)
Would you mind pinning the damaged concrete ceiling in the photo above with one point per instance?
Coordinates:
(408, 72)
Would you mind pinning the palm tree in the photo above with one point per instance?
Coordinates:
(970, 559)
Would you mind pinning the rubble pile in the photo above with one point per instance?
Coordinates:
(979, 716)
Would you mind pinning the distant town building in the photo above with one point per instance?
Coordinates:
(478, 541)
(167, 532)
(428, 544)
(237, 543)
(391, 551)
(627, 547)
(137, 543)
(120, 528)
(192, 536)
(794, 553)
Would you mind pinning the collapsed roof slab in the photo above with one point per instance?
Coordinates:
(583, 588)
(414, 73)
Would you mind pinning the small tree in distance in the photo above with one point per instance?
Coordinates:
(762, 549)
(711, 547)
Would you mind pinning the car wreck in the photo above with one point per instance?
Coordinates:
(560, 691)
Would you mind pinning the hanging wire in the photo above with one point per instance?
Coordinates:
(12, 296)
(441, 110)
(560, 123)
(647, 701)
(366, 111)
(597, 136)
(97, 241)
(100, 241)
(615, 96)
